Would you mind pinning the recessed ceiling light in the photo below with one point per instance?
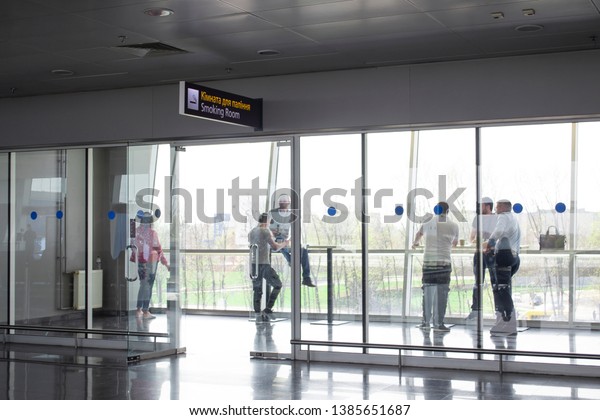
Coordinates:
(529, 28)
(268, 52)
(159, 12)
(62, 72)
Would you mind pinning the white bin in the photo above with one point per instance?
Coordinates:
(79, 289)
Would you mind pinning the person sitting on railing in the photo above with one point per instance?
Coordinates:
(261, 239)
(280, 225)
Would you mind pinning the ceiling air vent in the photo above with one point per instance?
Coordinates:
(150, 49)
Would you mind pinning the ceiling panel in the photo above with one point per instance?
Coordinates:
(251, 42)
(389, 51)
(83, 5)
(514, 13)
(370, 27)
(15, 10)
(166, 31)
(133, 16)
(221, 38)
(334, 12)
(549, 43)
(262, 5)
(432, 5)
(90, 40)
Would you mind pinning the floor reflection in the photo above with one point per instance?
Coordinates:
(217, 367)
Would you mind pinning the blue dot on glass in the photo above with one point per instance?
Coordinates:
(140, 213)
(518, 208)
(111, 215)
(157, 213)
(437, 210)
(560, 207)
(33, 215)
(331, 211)
(399, 210)
(59, 214)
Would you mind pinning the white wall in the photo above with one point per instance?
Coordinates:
(527, 87)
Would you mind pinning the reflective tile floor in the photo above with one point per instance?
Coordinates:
(217, 367)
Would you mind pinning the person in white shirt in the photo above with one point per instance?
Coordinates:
(281, 225)
(440, 234)
(505, 243)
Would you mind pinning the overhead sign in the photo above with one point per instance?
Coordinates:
(212, 104)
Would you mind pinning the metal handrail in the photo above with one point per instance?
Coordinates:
(505, 352)
(321, 249)
(401, 347)
(83, 331)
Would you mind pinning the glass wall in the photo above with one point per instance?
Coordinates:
(586, 240)
(540, 193)
(74, 254)
(445, 172)
(541, 177)
(422, 168)
(70, 220)
(389, 182)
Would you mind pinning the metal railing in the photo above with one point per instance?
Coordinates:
(501, 353)
(67, 330)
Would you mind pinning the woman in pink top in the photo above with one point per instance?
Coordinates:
(148, 252)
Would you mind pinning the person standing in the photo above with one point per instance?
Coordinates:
(440, 234)
(488, 223)
(505, 243)
(262, 241)
(147, 253)
(280, 225)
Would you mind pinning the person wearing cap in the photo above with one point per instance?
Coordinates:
(148, 253)
(488, 223)
(440, 234)
(281, 227)
(261, 239)
(505, 243)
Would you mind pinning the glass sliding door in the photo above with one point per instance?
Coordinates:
(331, 195)
(224, 188)
(133, 248)
(49, 202)
(388, 174)
(110, 235)
(149, 246)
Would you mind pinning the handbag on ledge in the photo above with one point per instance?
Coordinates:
(552, 241)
